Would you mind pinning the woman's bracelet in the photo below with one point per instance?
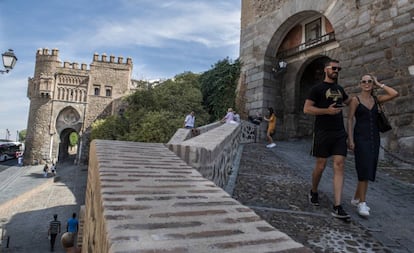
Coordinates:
(382, 86)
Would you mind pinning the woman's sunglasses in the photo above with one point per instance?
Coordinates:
(334, 68)
(366, 81)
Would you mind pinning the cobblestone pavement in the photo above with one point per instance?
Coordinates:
(275, 182)
(28, 202)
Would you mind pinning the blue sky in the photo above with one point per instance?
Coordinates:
(163, 38)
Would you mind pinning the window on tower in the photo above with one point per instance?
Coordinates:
(96, 90)
(108, 91)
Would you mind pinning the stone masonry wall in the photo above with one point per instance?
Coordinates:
(141, 197)
(211, 153)
(38, 135)
(374, 36)
(55, 88)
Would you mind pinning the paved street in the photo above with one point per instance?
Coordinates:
(273, 182)
(28, 202)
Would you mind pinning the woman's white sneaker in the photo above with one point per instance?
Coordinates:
(363, 209)
(355, 203)
(271, 145)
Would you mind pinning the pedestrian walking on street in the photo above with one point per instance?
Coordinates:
(364, 136)
(270, 127)
(53, 169)
(20, 160)
(45, 170)
(325, 102)
(72, 225)
(54, 230)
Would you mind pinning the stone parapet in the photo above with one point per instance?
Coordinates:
(141, 197)
(183, 134)
(212, 152)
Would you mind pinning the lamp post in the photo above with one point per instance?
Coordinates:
(9, 60)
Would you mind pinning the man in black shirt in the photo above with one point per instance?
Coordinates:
(325, 101)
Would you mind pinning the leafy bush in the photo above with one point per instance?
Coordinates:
(154, 114)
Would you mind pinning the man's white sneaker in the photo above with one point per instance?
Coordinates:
(363, 209)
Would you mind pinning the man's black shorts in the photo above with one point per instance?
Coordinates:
(327, 143)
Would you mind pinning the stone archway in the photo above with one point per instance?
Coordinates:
(66, 152)
(286, 90)
(68, 121)
(311, 73)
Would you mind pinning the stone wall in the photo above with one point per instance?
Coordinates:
(374, 36)
(212, 152)
(141, 197)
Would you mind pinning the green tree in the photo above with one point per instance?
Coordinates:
(155, 114)
(111, 128)
(73, 139)
(218, 87)
(156, 126)
(22, 135)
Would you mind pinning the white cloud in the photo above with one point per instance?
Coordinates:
(196, 22)
(164, 38)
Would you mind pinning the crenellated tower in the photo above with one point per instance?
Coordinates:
(69, 97)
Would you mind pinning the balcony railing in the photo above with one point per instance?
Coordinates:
(329, 37)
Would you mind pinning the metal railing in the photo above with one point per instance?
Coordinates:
(329, 37)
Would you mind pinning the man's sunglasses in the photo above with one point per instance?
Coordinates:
(334, 68)
(366, 81)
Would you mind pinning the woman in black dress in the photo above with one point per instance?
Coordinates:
(364, 137)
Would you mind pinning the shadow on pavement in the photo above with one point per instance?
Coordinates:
(26, 218)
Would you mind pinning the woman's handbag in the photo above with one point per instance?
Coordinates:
(383, 123)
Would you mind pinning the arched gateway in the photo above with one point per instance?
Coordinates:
(363, 36)
(68, 99)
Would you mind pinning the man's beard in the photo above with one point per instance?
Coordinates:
(333, 76)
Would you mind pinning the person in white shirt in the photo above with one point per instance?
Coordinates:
(229, 118)
(189, 120)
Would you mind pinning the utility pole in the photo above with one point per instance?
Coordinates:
(7, 134)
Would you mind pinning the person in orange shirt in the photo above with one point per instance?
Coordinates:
(270, 128)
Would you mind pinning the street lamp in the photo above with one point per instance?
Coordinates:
(281, 66)
(9, 60)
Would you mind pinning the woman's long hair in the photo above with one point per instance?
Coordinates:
(271, 112)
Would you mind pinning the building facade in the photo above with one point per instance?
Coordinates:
(69, 98)
(372, 36)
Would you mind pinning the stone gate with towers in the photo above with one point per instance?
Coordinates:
(69, 98)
